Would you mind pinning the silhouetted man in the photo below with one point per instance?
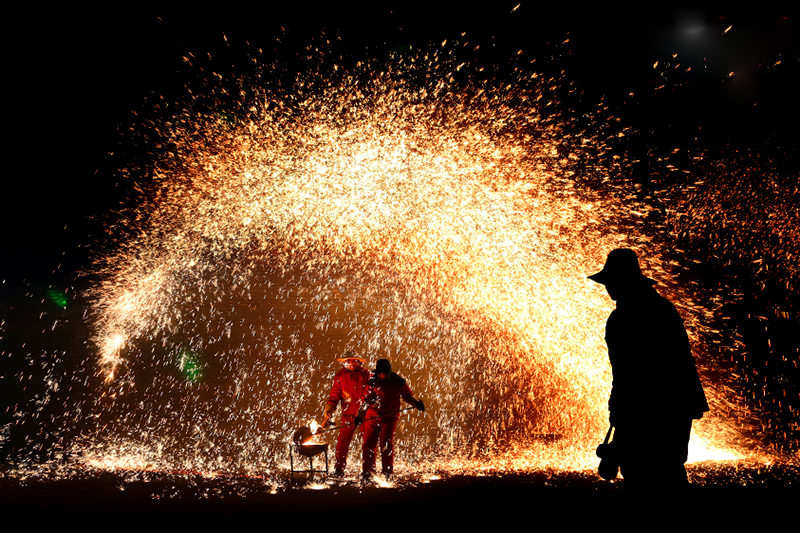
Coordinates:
(656, 392)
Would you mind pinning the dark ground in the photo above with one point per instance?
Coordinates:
(732, 495)
(79, 74)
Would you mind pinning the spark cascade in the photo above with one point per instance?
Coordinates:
(403, 210)
(745, 221)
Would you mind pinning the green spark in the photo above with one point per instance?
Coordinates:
(57, 296)
(189, 365)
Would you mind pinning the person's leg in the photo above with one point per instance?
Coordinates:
(343, 443)
(387, 445)
(372, 429)
(653, 454)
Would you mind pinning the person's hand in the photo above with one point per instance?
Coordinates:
(358, 420)
(420, 405)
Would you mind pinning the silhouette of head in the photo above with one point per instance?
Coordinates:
(383, 366)
(621, 270)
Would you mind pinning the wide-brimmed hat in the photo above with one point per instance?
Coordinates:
(622, 266)
(350, 355)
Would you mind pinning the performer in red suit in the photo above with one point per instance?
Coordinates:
(380, 411)
(348, 389)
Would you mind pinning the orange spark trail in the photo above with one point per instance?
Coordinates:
(429, 222)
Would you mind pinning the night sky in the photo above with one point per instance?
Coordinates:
(76, 74)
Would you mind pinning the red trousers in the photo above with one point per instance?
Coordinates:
(379, 430)
(343, 440)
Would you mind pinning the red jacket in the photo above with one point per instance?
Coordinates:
(348, 388)
(384, 396)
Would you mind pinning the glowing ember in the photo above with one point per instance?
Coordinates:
(404, 209)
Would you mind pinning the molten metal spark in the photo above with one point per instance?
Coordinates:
(387, 209)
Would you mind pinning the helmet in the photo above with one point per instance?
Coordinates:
(350, 355)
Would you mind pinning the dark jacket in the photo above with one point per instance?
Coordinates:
(383, 396)
(654, 373)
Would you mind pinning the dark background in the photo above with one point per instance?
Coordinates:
(75, 76)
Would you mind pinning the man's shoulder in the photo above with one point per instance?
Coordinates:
(652, 308)
(665, 307)
(397, 380)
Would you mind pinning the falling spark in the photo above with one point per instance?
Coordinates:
(431, 222)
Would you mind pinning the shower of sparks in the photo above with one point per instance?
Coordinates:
(387, 209)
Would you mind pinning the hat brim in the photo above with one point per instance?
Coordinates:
(598, 278)
(604, 278)
(344, 359)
